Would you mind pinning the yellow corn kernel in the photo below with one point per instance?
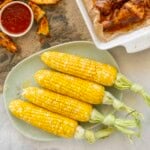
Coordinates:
(60, 104)
(43, 119)
(81, 67)
(71, 86)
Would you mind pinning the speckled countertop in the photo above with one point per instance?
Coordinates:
(67, 25)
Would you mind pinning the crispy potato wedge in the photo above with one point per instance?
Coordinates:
(45, 1)
(43, 28)
(7, 43)
(37, 11)
(3, 3)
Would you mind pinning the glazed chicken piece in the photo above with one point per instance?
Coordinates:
(43, 28)
(7, 43)
(107, 6)
(147, 3)
(37, 11)
(131, 12)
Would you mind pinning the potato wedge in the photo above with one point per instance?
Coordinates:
(45, 1)
(37, 11)
(7, 43)
(3, 3)
(43, 28)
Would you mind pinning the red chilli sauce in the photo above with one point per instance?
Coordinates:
(16, 18)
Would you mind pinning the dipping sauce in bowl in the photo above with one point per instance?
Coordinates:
(16, 18)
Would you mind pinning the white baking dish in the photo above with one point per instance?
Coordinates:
(133, 41)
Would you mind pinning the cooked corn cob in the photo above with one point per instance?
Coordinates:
(91, 70)
(53, 123)
(43, 119)
(71, 86)
(57, 103)
(80, 67)
(63, 126)
(80, 89)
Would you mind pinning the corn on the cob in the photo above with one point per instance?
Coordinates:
(53, 102)
(53, 123)
(68, 85)
(65, 127)
(91, 70)
(80, 67)
(80, 89)
(60, 104)
(43, 119)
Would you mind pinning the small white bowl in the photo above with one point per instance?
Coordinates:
(16, 34)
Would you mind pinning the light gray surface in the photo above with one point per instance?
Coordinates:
(136, 67)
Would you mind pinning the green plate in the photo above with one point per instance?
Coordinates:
(22, 76)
